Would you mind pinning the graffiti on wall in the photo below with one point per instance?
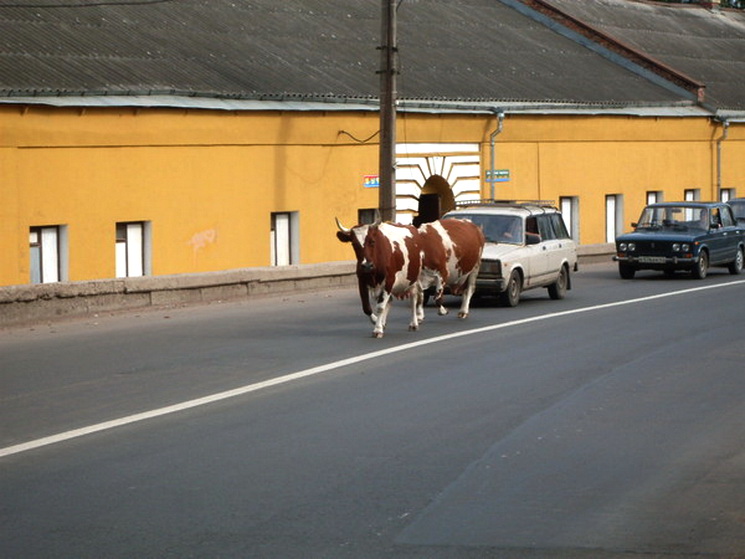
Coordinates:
(201, 240)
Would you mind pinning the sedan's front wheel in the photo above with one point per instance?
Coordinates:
(626, 271)
(701, 267)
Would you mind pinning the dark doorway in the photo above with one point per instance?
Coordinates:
(429, 208)
(435, 200)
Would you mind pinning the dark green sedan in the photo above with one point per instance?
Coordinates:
(687, 236)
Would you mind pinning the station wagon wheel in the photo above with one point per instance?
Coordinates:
(558, 289)
(735, 266)
(511, 296)
(701, 268)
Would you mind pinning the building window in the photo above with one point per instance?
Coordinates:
(366, 215)
(655, 196)
(727, 194)
(285, 247)
(569, 207)
(48, 252)
(613, 217)
(132, 249)
(692, 194)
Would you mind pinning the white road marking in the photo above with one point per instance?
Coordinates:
(106, 425)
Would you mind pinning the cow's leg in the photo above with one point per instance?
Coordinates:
(365, 295)
(382, 308)
(420, 303)
(440, 296)
(417, 305)
(373, 296)
(427, 279)
(465, 305)
(373, 312)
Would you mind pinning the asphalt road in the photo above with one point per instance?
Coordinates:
(607, 425)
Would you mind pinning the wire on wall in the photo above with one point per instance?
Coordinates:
(356, 139)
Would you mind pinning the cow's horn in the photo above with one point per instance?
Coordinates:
(340, 226)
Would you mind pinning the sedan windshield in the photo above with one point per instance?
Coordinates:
(498, 228)
(674, 217)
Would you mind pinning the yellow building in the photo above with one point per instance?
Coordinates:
(106, 184)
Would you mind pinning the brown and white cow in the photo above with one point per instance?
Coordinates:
(451, 252)
(389, 263)
(400, 261)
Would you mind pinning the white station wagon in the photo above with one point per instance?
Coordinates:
(527, 246)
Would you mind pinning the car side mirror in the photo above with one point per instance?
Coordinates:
(532, 239)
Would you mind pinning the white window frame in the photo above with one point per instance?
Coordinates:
(284, 239)
(48, 254)
(569, 207)
(613, 217)
(132, 252)
(727, 194)
(692, 194)
(655, 196)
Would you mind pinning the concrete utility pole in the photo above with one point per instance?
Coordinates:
(388, 71)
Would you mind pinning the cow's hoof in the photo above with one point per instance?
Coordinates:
(442, 311)
(413, 327)
(462, 315)
(377, 334)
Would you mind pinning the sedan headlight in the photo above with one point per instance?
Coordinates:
(626, 247)
(678, 247)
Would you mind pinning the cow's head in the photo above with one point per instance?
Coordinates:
(364, 238)
(367, 241)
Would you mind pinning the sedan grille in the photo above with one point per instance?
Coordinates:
(660, 248)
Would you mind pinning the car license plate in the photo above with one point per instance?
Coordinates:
(652, 259)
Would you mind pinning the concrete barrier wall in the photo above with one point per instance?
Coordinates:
(28, 304)
(42, 302)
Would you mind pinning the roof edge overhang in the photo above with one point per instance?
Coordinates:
(326, 104)
(731, 116)
(678, 109)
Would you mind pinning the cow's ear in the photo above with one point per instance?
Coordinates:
(344, 236)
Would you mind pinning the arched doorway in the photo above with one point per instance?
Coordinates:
(435, 199)
(430, 177)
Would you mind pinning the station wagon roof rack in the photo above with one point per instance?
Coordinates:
(506, 203)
